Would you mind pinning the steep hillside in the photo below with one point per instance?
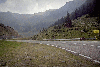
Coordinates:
(7, 32)
(26, 23)
(81, 27)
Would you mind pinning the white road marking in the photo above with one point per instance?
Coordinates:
(92, 45)
(52, 45)
(59, 47)
(47, 44)
(75, 52)
(75, 43)
(69, 50)
(89, 57)
(63, 48)
(98, 46)
(96, 61)
(84, 44)
(72, 51)
(66, 49)
(63, 42)
(85, 56)
(40, 43)
(56, 46)
(80, 54)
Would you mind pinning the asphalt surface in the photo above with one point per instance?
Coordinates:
(87, 49)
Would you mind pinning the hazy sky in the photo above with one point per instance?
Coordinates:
(30, 6)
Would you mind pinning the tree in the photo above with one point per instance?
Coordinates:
(76, 13)
(68, 22)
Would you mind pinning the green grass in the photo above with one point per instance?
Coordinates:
(5, 46)
(89, 24)
(37, 55)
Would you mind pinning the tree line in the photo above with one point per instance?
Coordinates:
(90, 8)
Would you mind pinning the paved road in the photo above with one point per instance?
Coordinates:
(87, 49)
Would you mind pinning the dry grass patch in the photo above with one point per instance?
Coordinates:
(39, 55)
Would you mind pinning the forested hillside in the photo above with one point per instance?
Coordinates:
(79, 23)
(81, 27)
(89, 7)
(6, 32)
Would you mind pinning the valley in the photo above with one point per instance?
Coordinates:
(28, 25)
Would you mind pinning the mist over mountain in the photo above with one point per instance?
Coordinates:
(30, 24)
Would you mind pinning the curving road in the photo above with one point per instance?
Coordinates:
(87, 49)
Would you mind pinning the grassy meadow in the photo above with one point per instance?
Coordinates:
(18, 54)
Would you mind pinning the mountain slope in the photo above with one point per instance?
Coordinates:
(82, 27)
(28, 25)
(7, 32)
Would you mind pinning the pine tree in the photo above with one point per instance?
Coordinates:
(68, 22)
